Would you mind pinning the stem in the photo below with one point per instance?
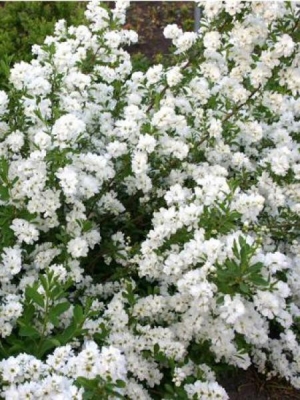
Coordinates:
(233, 112)
(46, 319)
(167, 87)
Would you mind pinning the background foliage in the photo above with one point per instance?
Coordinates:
(23, 24)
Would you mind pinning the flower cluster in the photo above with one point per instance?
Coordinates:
(150, 220)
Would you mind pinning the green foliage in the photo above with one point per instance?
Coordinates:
(140, 62)
(23, 24)
(45, 303)
(239, 274)
(99, 388)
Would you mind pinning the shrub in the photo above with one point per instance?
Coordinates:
(23, 24)
(150, 220)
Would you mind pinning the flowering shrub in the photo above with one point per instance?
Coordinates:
(150, 221)
(24, 23)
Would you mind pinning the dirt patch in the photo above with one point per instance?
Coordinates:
(149, 18)
(249, 385)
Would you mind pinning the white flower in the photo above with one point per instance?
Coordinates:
(113, 363)
(24, 231)
(92, 237)
(3, 102)
(154, 74)
(172, 31)
(68, 180)
(78, 247)
(232, 309)
(249, 205)
(117, 149)
(146, 143)
(139, 162)
(66, 130)
(173, 76)
(59, 272)
(268, 304)
(98, 16)
(285, 46)
(15, 141)
(176, 194)
(211, 40)
(42, 140)
(11, 259)
(11, 370)
(113, 38)
(205, 391)
(185, 41)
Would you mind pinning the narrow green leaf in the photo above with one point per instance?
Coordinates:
(120, 384)
(257, 280)
(48, 345)
(32, 294)
(78, 314)
(68, 334)
(29, 331)
(244, 288)
(57, 310)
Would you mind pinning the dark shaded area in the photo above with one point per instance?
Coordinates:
(149, 18)
(249, 385)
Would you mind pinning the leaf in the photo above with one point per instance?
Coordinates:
(255, 268)
(4, 193)
(235, 249)
(32, 294)
(57, 310)
(156, 348)
(4, 169)
(258, 280)
(90, 384)
(29, 331)
(78, 314)
(44, 282)
(244, 288)
(169, 388)
(68, 334)
(48, 344)
(120, 384)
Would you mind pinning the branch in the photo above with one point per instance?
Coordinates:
(167, 87)
(241, 105)
(232, 113)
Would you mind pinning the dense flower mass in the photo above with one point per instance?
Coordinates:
(150, 220)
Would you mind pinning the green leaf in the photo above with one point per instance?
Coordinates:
(44, 282)
(32, 294)
(57, 310)
(68, 334)
(258, 280)
(235, 250)
(4, 193)
(244, 288)
(90, 384)
(156, 348)
(255, 268)
(78, 314)
(169, 388)
(29, 331)
(48, 344)
(120, 384)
